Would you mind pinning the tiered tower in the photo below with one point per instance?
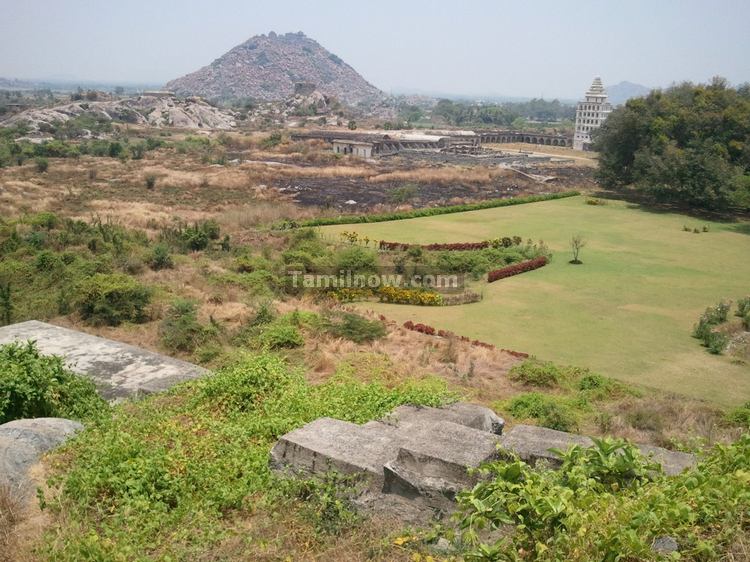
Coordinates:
(590, 114)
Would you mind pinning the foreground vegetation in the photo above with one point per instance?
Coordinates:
(174, 476)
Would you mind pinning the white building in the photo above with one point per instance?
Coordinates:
(590, 114)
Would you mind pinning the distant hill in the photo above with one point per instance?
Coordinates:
(623, 91)
(267, 67)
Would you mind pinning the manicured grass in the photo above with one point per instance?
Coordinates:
(626, 312)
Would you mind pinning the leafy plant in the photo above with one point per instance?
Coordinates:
(33, 385)
(110, 299)
(354, 327)
(180, 329)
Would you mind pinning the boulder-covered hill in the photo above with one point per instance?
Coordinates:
(153, 110)
(267, 67)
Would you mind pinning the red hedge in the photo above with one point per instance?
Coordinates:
(430, 331)
(516, 268)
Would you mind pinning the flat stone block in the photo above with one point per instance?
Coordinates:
(118, 370)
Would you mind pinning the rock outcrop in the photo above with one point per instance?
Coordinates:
(423, 456)
(22, 442)
(118, 370)
(268, 67)
(153, 110)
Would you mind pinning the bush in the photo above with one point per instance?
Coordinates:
(33, 385)
(516, 268)
(41, 164)
(546, 410)
(280, 335)
(418, 297)
(609, 503)
(180, 329)
(355, 328)
(160, 258)
(110, 299)
(534, 372)
(740, 415)
(150, 181)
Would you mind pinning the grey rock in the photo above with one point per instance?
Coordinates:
(665, 545)
(442, 545)
(118, 370)
(22, 442)
(533, 444)
(414, 452)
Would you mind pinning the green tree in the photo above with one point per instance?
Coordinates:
(688, 145)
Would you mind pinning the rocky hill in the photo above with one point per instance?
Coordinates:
(154, 110)
(623, 91)
(267, 67)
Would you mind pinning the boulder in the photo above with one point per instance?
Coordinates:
(118, 370)
(23, 442)
(533, 444)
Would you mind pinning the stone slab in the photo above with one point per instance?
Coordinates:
(118, 370)
(469, 415)
(22, 442)
(532, 444)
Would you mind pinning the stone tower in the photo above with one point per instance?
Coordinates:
(590, 114)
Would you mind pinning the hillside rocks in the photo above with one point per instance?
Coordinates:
(118, 370)
(267, 67)
(153, 110)
(422, 456)
(22, 442)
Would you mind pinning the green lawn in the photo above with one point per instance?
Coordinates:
(627, 312)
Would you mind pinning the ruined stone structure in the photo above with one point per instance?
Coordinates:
(344, 142)
(524, 137)
(423, 455)
(590, 114)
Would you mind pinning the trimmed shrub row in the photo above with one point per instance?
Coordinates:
(516, 268)
(504, 242)
(401, 246)
(426, 212)
(430, 331)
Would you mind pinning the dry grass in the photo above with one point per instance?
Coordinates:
(10, 515)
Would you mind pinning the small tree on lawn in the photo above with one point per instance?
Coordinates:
(576, 244)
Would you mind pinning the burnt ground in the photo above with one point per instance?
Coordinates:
(338, 193)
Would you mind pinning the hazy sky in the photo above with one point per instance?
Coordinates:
(515, 48)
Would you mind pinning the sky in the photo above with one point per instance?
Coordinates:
(524, 48)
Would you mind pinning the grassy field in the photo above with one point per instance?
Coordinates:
(627, 312)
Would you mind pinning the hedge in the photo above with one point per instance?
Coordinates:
(516, 268)
(426, 212)
(430, 331)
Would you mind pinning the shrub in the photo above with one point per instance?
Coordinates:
(150, 181)
(546, 410)
(356, 260)
(716, 342)
(160, 258)
(743, 307)
(180, 329)
(534, 372)
(516, 268)
(42, 164)
(354, 327)
(33, 385)
(280, 335)
(740, 415)
(609, 503)
(110, 299)
(425, 212)
(272, 140)
(418, 297)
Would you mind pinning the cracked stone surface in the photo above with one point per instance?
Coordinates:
(415, 460)
(118, 370)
